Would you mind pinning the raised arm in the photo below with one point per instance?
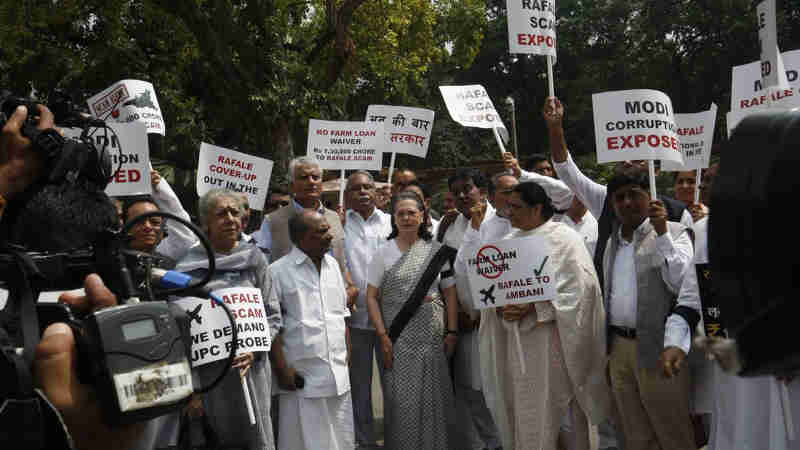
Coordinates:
(592, 194)
(179, 238)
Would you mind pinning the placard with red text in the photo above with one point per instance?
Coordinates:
(220, 167)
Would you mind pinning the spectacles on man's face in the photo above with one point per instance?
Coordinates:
(278, 204)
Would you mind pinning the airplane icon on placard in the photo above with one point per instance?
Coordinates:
(194, 316)
(487, 295)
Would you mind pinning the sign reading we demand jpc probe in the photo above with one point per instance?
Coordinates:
(212, 332)
(346, 145)
(511, 271)
(635, 124)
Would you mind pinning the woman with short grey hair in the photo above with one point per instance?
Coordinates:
(238, 264)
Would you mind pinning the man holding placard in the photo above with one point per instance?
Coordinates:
(543, 353)
(311, 353)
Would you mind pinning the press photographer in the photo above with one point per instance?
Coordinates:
(69, 405)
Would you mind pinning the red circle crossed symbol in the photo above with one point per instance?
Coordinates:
(487, 258)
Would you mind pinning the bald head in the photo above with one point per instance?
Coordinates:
(310, 233)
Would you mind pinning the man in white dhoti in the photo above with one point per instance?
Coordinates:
(310, 354)
(562, 341)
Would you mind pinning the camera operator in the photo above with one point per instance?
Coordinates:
(54, 365)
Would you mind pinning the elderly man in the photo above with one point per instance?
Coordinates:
(365, 229)
(310, 354)
(306, 190)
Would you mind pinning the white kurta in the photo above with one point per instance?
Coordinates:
(314, 307)
(563, 346)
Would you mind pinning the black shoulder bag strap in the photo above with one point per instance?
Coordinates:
(418, 294)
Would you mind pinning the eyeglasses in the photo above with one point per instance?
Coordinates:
(278, 204)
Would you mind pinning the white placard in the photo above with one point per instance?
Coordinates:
(531, 26)
(511, 271)
(635, 124)
(346, 145)
(696, 132)
(220, 167)
(471, 106)
(773, 73)
(129, 152)
(747, 88)
(129, 101)
(407, 130)
(211, 331)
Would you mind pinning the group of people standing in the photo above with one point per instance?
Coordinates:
(382, 280)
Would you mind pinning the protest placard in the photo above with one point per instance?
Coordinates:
(511, 271)
(635, 124)
(773, 73)
(346, 145)
(531, 26)
(471, 106)
(220, 167)
(406, 130)
(696, 133)
(747, 87)
(126, 145)
(211, 330)
(129, 101)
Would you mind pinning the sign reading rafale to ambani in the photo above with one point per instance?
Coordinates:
(531, 26)
(635, 124)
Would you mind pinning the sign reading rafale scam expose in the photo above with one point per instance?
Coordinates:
(346, 145)
(471, 106)
(635, 124)
(531, 26)
(511, 271)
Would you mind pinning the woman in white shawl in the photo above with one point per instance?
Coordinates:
(558, 365)
(238, 264)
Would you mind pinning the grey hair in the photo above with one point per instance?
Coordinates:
(359, 172)
(301, 161)
(209, 200)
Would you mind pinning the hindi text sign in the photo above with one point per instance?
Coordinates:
(126, 145)
(635, 124)
(531, 26)
(212, 331)
(696, 133)
(220, 167)
(407, 130)
(129, 101)
(511, 271)
(346, 145)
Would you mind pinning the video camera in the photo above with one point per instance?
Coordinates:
(137, 354)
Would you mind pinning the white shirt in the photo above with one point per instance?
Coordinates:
(586, 227)
(313, 308)
(677, 331)
(559, 192)
(179, 237)
(361, 241)
(592, 194)
(623, 297)
(388, 254)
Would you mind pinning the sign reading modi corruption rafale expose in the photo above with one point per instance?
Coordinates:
(511, 271)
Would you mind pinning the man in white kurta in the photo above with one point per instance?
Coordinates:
(310, 354)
